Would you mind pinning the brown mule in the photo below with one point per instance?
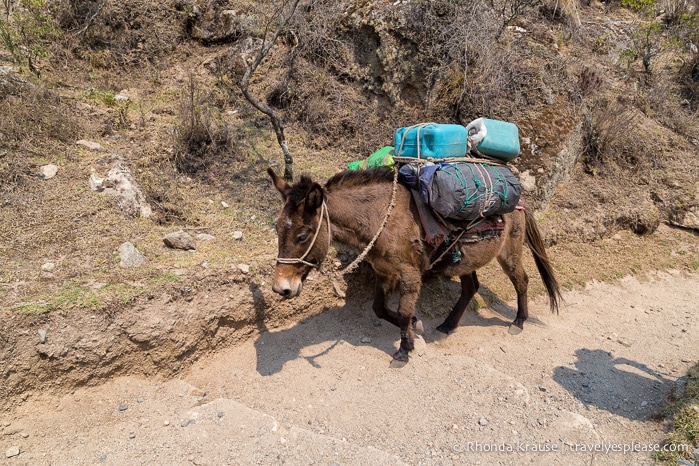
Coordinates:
(350, 209)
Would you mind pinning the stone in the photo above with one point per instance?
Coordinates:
(48, 171)
(483, 422)
(48, 267)
(205, 237)
(245, 268)
(119, 183)
(130, 256)
(42, 336)
(12, 451)
(89, 145)
(528, 181)
(238, 235)
(179, 240)
(224, 205)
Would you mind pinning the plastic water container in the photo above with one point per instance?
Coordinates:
(431, 140)
(495, 138)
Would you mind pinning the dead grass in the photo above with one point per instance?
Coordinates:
(683, 414)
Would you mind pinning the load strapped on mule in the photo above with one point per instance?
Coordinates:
(458, 176)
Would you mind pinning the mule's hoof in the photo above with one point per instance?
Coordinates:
(401, 356)
(395, 364)
(514, 330)
(444, 329)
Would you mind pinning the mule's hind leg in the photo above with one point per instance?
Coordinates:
(469, 286)
(512, 266)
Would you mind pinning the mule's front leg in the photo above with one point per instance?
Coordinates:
(409, 292)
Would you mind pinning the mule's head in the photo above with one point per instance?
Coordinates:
(302, 233)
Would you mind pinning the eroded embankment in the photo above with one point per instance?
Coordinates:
(156, 336)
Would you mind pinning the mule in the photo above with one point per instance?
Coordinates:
(351, 208)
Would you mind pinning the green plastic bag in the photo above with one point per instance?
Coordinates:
(381, 158)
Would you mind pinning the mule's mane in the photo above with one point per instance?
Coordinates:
(299, 190)
(351, 178)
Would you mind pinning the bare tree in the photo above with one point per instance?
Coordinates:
(278, 21)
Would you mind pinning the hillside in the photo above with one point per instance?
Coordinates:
(605, 96)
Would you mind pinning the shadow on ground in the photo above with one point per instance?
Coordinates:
(612, 384)
(351, 323)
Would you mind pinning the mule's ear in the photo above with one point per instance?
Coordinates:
(314, 198)
(281, 185)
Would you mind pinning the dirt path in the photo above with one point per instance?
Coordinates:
(322, 391)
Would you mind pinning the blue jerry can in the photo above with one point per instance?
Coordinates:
(495, 138)
(431, 140)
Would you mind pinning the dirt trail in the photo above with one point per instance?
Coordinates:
(322, 391)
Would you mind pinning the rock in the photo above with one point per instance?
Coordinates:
(245, 268)
(179, 240)
(42, 335)
(237, 235)
(224, 205)
(120, 98)
(123, 407)
(528, 181)
(12, 451)
(366, 340)
(90, 145)
(205, 237)
(48, 267)
(130, 256)
(483, 422)
(48, 171)
(119, 183)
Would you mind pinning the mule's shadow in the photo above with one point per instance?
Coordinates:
(621, 386)
(353, 322)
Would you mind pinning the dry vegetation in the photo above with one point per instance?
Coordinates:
(620, 79)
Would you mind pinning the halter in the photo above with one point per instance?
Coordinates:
(301, 260)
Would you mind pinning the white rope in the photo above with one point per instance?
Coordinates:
(301, 260)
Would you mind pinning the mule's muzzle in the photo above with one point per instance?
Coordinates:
(287, 289)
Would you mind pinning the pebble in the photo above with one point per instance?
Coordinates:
(483, 421)
(220, 414)
(366, 340)
(12, 451)
(166, 423)
(224, 204)
(237, 235)
(48, 171)
(187, 422)
(24, 435)
(244, 268)
(42, 335)
(123, 407)
(132, 435)
(48, 267)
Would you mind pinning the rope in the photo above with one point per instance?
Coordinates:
(366, 250)
(301, 260)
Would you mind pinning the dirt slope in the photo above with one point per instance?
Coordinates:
(322, 391)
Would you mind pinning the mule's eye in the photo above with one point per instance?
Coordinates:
(303, 236)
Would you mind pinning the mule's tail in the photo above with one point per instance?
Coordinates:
(536, 245)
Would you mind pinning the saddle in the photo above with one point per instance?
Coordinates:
(448, 235)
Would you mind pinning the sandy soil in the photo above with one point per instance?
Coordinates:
(570, 389)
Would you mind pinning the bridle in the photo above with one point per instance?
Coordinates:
(302, 259)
